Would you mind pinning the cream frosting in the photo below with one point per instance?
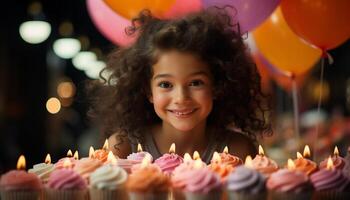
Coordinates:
(285, 180)
(66, 179)
(168, 162)
(86, 166)
(108, 177)
(42, 170)
(20, 180)
(246, 180)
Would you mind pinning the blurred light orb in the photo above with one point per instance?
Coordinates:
(66, 47)
(66, 89)
(53, 105)
(94, 68)
(83, 58)
(34, 32)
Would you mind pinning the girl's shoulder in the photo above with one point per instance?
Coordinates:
(240, 145)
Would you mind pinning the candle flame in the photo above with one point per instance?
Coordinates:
(76, 155)
(69, 153)
(198, 164)
(67, 163)
(307, 152)
(299, 155)
(21, 163)
(248, 162)
(91, 152)
(336, 151)
(225, 150)
(105, 145)
(291, 164)
(139, 147)
(330, 165)
(146, 161)
(48, 159)
(216, 157)
(172, 148)
(196, 155)
(187, 157)
(261, 150)
(111, 158)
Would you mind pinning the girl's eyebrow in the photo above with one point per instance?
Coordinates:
(169, 75)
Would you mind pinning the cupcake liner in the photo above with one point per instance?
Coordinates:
(20, 194)
(178, 194)
(289, 196)
(54, 194)
(148, 196)
(215, 195)
(106, 194)
(233, 195)
(331, 195)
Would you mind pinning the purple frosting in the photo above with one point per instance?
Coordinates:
(246, 180)
(168, 162)
(139, 156)
(330, 180)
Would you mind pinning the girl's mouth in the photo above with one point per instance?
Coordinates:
(182, 113)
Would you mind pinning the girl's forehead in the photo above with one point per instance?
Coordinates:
(179, 64)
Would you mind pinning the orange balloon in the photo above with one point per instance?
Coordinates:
(324, 23)
(131, 8)
(282, 48)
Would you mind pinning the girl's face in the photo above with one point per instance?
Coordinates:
(181, 90)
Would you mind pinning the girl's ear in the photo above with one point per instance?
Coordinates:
(150, 98)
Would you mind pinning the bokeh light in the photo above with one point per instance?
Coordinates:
(53, 105)
(66, 47)
(66, 89)
(83, 58)
(35, 32)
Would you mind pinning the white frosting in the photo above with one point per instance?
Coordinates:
(108, 177)
(42, 170)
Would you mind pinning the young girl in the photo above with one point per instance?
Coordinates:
(188, 81)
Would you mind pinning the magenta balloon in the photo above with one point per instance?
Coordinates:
(183, 7)
(250, 13)
(111, 25)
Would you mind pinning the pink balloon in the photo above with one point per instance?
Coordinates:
(111, 25)
(183, 7)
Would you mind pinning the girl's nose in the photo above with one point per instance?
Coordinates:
(181, 95)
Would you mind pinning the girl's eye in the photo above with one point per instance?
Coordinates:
(196, 83)
(165, 85)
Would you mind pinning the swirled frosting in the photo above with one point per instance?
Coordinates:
(338, 162)
(264, 165)
(178, 180)
(108, 177)
(201, 181)
(221, 169)
(127, 164)
(42, 170)
(168, 162)
(305, 165)
(66, 179)
(346, 168)
(330, 180)
(101, 155)
(139, 156)
(285, 180)
(229, 159)
(20, 179)
(86, 166)
(148, 179)
(59, 164)
(246, 180)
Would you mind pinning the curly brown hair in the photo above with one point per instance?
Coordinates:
(121, 102)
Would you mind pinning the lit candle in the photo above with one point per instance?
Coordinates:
(43, 170)
(61, 161)
(290, 164)
(248, 162)
(139, 155)
(263, 164)
(227, 158)
(307, 152)
(172, 148)
(91, 152)
(196, 155)
(101, 154)
(261, 151)
(111, 159)
(330, 165)
(338, 161)
(76, 155)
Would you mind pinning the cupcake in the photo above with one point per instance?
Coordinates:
(346, 169)
(139, 155)
(108, 182)
(148, 182)
(43, 171)
(246, 184)
(66, 184)
(264, 165)
(127, 164)
(18, 184)
(229, 159)
(305, 165)
(289, 184)
(86, 166)
(330, 183)
(202, 183)
(168, 162)
(223, 169)
(60, 162)
(338, 162)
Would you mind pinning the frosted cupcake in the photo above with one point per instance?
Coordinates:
(148, 182)
(305, 165)
(246, 184)
(60, 162)
(139, 155)
(43, 170)
(229, 159)
(66, 184)
(169, 161)
(338, 161)
(289, 184)
(223, 169)
(346, 169)
(86, 166)
(263, 164)
(330, 183)
(108, 182)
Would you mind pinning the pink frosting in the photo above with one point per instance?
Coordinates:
(338, 162)
(139, 156)
(20, 179)
(86, 166)
(330, 180)
(59, 164)
(65, 179)
(168, 162)
(201, 181)
(178, 179)
(285, 180)
(127, 164)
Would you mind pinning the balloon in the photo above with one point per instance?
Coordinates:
(324, 23)
(131, 8)
(183, 7)
(111, 25)
(283, 48)
(250, 13)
